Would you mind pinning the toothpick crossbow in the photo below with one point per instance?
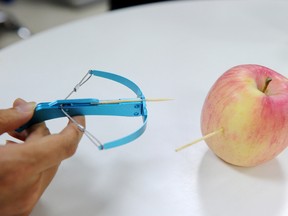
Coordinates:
(134, 107)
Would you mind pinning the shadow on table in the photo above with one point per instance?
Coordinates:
(226, 190)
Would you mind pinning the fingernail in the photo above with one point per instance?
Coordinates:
(26, 107)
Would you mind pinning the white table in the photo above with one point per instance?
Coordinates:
(174, 50)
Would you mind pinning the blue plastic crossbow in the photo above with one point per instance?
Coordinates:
(91, 106)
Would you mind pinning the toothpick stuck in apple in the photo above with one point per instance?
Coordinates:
(213, 133)
(244, 118)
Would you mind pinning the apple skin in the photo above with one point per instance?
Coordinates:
(255, 124)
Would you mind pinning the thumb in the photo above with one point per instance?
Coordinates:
(11, 119)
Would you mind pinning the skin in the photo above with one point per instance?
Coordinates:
(255, 123)
(27, 169)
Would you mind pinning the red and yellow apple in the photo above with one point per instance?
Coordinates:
(248, 109)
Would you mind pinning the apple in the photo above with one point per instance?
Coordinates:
(245, 115)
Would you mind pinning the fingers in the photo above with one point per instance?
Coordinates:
(20, 136)
(11, 119)
(34, 132)
(48, 174)
(37, 131)
(50, 150)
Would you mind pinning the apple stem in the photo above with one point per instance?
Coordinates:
(200, 139)
(267, 81)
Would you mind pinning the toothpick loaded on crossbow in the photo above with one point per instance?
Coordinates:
(133, 107)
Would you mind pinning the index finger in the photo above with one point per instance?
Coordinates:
(50, 150)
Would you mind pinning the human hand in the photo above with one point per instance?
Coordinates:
(26, 169)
